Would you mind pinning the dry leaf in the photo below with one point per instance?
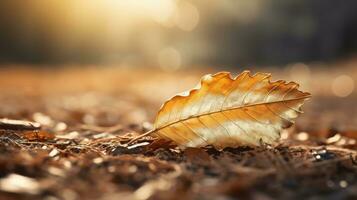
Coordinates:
(226, 112)
(195, 155)
(38, 135)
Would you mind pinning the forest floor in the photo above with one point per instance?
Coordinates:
(87, 116)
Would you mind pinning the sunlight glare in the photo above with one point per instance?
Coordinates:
(158, 10)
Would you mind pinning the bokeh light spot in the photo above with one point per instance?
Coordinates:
(187, 16)
(342, 86)
(300, 71)
(161, 11)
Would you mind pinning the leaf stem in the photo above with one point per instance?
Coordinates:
(141, 136)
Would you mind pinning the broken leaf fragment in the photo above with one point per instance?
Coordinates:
(227, 112)
(16, 183)
(18, 125)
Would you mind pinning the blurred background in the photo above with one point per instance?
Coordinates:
(112, 55)
(174, 34)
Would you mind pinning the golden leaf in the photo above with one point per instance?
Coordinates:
(226, 112)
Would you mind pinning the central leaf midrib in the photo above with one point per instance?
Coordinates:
(229, 109)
